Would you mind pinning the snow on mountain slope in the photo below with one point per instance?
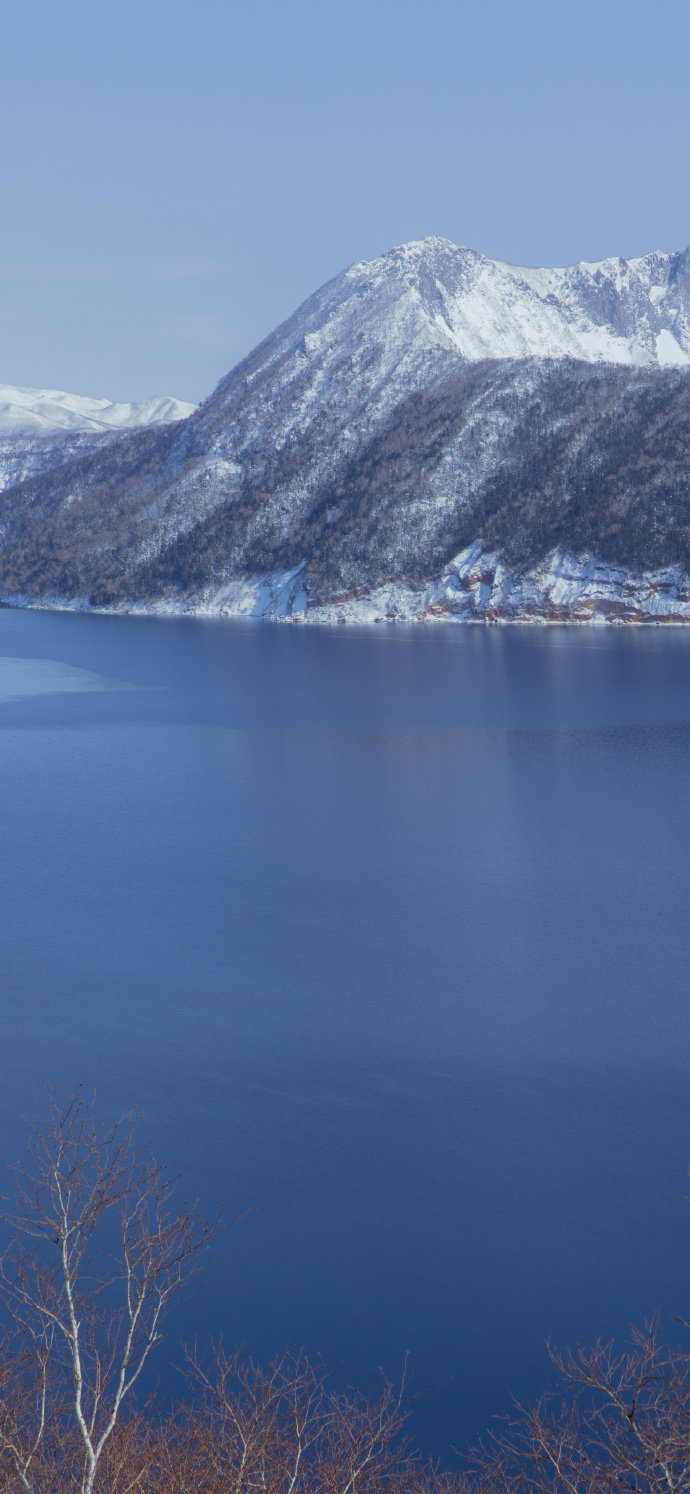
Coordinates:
(24, 456)
(414, 406)
(302, 405)
(524, 457)
(40, 411)
(392, 317)
(617, 311)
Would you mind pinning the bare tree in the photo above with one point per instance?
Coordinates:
(364, 1447)
(253, 1428)
(618, 1421)
(284, 1430)
(96, 1257)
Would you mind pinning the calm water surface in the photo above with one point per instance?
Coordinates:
(387, 932)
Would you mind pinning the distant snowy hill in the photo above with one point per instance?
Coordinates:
(45, 428)
(40, 411)
(433, 433)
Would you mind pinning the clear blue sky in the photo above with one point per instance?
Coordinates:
(177, 177)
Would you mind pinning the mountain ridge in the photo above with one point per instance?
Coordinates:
(612, 310)
(26, 411)
(370, 439)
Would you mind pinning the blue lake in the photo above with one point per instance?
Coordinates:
(385, 931)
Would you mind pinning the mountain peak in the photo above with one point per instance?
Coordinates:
(614, 310)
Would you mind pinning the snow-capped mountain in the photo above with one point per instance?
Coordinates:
(617, 311)
(426, 407)
(41, 411)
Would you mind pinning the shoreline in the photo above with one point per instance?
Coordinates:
(475, 587)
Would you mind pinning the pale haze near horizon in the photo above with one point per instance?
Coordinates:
(176, 181)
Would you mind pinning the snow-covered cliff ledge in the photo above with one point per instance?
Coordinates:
(474, 588)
